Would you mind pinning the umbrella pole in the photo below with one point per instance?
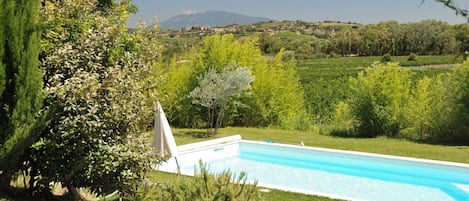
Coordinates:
(177, 164)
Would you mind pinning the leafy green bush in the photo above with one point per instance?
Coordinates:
(412, 57)
(333, 55)
(343, 121)
(450, 112)
(418, 112)
(378, 96)
(386, 58)
(204, 186)
(99, 83)
(438, 108)
(302, 123)
(460, 95)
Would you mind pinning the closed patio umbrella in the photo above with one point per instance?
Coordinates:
(163, 138)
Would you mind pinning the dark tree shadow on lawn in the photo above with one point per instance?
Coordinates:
(194, 134)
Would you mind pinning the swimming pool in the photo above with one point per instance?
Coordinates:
(333, 173)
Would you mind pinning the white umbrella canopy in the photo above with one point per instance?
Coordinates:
(163, 139)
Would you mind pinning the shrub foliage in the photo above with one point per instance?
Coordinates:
(276, 98)
(97, 77)
(378, 97)
(204, 186)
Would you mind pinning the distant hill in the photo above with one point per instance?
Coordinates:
(210, 19)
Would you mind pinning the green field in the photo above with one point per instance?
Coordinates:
(325, 81)
(363, 62)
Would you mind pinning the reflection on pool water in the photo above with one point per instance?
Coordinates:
(333, 173)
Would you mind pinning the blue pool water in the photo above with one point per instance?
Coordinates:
(337, 174)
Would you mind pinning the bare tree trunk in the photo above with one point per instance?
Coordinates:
(220, 117)
(4, 181)
(211, 115)
(32, 175)
(76, 194)
(208, 121)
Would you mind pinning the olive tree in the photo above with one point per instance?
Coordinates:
(215, 90)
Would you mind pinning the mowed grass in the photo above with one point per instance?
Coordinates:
(380, 145)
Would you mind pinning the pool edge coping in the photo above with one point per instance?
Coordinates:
(384, 156)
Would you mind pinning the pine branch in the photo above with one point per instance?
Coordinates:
(452, 5)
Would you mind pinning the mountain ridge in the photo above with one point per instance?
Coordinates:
(209, 19)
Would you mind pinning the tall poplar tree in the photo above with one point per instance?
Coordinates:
(21, 93)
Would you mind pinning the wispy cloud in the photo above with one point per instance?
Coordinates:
(190, 12)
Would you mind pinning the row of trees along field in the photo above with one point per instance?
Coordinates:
(428, 37)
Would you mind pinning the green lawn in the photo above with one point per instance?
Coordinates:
(379, 145)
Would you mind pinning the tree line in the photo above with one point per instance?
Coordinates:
(428, 37)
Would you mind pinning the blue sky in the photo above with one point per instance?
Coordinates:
(361, 11)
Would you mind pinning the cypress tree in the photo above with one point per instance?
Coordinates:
(21, 93)
(2, 53)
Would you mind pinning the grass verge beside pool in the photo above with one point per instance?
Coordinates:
(380, 145)
(273, 195)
